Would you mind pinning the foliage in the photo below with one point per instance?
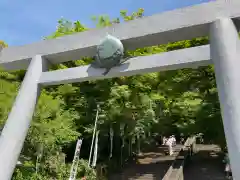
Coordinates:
(180, 101)
(3, 44)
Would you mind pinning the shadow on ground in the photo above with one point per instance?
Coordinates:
(205, 165)
(151, 165)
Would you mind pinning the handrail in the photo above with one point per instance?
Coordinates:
(191, 147)
(187, 145)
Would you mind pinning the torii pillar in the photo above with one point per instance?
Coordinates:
(224, 49)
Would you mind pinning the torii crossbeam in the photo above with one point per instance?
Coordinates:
(219, 20)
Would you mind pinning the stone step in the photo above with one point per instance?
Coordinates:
(149, 165)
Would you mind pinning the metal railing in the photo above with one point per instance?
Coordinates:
(175, 171)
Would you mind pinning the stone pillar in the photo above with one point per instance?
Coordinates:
(19, 119)
(224, 47)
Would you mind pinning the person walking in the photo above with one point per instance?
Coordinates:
(169, 143)
(182, 138)
(174, 140)
(227, 166)
(164, 140)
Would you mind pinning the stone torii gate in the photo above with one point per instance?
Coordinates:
(219, 20)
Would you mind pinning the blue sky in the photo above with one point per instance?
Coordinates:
(27, 21)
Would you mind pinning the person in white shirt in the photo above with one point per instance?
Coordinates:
(169, 143)
(174, 140)
(164, 140)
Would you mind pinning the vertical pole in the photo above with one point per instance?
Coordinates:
(73, 171)
(224, 47)
(18, 122)
(93, 137)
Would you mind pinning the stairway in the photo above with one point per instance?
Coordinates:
(205, 165)
(150, 165)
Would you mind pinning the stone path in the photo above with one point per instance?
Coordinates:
(205, 165)
(149, 166)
